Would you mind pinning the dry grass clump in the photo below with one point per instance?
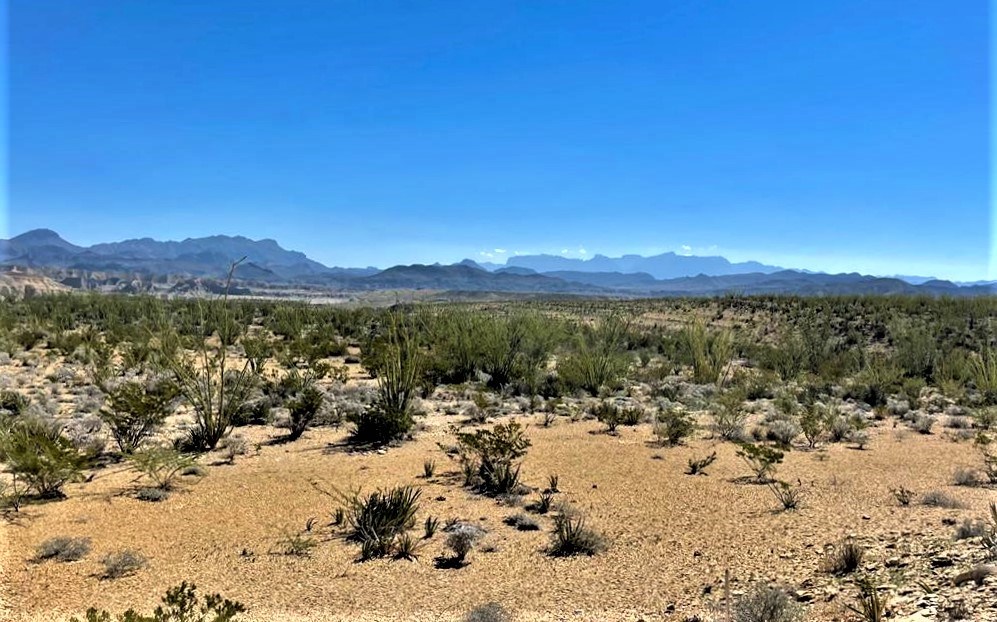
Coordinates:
(122, 564)
(572, 536)
(63, 549)
(843, 558)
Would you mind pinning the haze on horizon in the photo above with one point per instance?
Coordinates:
(846, 136)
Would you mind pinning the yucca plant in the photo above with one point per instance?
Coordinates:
(378, 519)
(871, 604)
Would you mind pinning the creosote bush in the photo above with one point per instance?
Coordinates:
(493, 456)
(672, 426)
(161, 465)
(136, 409)
(181, 604)
(37, 454)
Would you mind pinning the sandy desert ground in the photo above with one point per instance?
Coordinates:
(672, 536)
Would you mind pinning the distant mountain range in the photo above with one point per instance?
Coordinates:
(149, 265)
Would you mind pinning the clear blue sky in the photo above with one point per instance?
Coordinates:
(844, 135)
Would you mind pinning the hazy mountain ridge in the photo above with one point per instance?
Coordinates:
(139, 263)
(664, 266)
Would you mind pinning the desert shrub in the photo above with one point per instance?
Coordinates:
(28, 338)
(989, 536)
(728, 415)
(428, 469)
(37, 454)
(599, 358)
(181, 604)
(573, 537)
(765, 603)
(543, 503)
(916, 350)
(399, 364)
(162, 465)
(514, 349)
(923, 423)
(782, 431)
(970, 529)
(903, 495)
(460, 541)
(671, 426)
(258, 350)
(697, 466)
(761, 459)
(378, 519)
(494, 455)
(489, 612)
(965, 477)
(552, 482)
(786, 494)
(297, 544)
(122, 564)
(614, 415)
(843, 558)
(63, 549)
(985, 445)
(814, 421)
(232, 446)
(710, 352)
(135, 410)
(303, 408)
(939, 499)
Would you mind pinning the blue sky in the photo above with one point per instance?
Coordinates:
(845, 135)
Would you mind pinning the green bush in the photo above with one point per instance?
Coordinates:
(728, 414)
(673, 425)
(711, 353)
(761, 459)
(181, 604)
(303, 408)
(135, 410)
(599, 358)
(162, 465)
(38, 455)
(493, 455)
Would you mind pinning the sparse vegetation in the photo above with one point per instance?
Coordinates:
(63, 549)
(122, 564)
